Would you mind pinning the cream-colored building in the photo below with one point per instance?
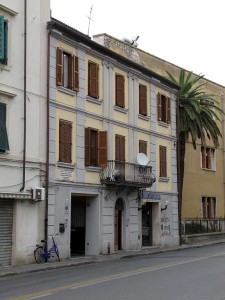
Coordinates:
(23, 94)
(112, 151)
(203, 192)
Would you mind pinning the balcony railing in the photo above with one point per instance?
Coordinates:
(127, 174)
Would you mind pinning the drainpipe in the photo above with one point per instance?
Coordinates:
(24, 96)
(47, 139)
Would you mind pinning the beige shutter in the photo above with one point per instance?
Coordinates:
(59, 66)
(102, 152)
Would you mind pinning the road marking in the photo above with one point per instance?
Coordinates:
(108, 278)
(40, 296)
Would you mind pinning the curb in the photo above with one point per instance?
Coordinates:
(32, 268)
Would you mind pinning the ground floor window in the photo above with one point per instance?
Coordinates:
(209, 207)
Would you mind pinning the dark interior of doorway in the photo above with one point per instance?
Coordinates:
(78, 216)
(147, 224)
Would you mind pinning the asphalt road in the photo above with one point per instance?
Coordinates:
(190, 274)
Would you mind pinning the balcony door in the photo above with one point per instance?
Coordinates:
(120, 156)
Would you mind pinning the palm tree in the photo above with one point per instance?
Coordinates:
(198, 114)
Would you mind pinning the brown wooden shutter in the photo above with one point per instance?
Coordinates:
(61, 141)
(209, 158)
(87, 146)
(143, 99)
(75, 74)
(68, 145)
(102, 152)
(143, 147)
(65, 141)
(162, 161)
(120, 92)
(70, 72)
(59, 66)
(93, 71)
(159, 102)
(204, 207)
(168, 111)
(203, 157)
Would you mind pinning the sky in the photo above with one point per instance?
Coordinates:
(187, 33)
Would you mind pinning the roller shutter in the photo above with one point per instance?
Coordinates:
(6, 224)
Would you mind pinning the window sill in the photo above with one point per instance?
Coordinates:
(65, 165)
(142, 117)
(164, 179)
(93, 169)
(163, 124)
(121, 109)
(94, 100)
(66, 91)
(205, 169)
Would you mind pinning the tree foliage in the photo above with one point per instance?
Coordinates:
(199, 112)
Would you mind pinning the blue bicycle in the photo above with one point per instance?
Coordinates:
(41, 253)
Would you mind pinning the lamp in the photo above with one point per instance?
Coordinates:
(166, 205)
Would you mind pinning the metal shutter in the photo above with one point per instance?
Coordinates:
(6, 222)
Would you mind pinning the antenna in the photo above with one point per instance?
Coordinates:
(90, 19)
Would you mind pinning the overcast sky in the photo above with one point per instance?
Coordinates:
(188, 33)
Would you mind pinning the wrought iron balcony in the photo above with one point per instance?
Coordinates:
(127, 174)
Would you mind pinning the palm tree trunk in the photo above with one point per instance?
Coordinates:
(182, 144)
(180, 174)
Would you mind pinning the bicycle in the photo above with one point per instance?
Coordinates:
(41, 253)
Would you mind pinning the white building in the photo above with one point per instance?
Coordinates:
(23, 77)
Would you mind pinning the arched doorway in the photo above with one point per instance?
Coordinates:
(118, 224)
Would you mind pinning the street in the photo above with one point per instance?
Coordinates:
(193, 274)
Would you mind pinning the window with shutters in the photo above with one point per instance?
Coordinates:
(162, 161)
(3, 40)
(208, 158)
(143, 100)
(120, 90)
(95, 148)
(65, 141)
(143, 147)
(67, 74)
(163, 108)
(4, 144)
(93, 79)
(209, 207)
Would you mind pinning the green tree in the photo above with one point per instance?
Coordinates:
(198, 114)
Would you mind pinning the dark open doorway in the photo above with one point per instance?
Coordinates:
(78, 216)
(118, 225)
(147, 224)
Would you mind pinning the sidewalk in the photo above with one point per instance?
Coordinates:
(80, 260)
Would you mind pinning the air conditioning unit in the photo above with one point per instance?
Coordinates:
(38, 194)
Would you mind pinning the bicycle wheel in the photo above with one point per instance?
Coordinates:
(57, 252)
(39, 255)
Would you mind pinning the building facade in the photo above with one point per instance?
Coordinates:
(203, 190)
(112, 151)
(23, 61)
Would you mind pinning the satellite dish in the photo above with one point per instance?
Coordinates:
(142, 159)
